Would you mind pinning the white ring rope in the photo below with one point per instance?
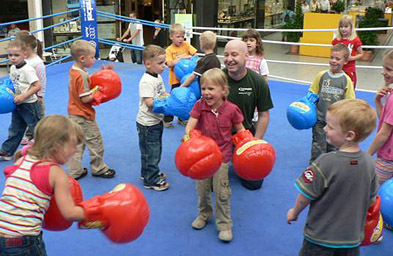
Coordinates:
(289, 30)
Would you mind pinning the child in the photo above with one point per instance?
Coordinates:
(256, 60)
(339, 186)
(34, 59)
(208, 43)
(331, 85)
(383, 141)
(56, 138)
(26, 85)
(149, 125)
(179, 49)
(81, 111)
(215, 116)
(347, 36)
(159, 36)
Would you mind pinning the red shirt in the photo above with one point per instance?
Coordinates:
(352, 45)
(218, 126)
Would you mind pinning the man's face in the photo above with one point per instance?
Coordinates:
(235, 56)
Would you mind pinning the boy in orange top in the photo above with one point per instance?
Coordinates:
(179, 49)
(81, 111)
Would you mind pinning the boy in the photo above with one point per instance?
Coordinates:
(81, 111)
(208, 43)
(149, 125)
(331, 85)
(26, 84)
(178, 50)
(339, 186)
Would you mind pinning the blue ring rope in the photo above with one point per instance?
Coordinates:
(127, 19)
(62, 43)
(125, 45)
(59, 60)
(43, 17)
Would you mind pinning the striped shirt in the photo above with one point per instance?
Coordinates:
(258, 64)
(23, 204)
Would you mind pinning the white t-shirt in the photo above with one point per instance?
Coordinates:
(38, 64)
(149, 87)
(138, 40)
(264, 70)
(22, 78)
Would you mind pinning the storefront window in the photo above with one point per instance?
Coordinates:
(273, 13)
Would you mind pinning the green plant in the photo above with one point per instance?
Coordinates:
(296, 23)
(338, 6)
(371, 20)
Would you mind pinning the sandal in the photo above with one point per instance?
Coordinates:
(84, 173)
(110, 173)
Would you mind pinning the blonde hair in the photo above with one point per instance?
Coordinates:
(208, 40)
(81, 48)
(17, 44)
(341, 48)
(31, 41)
(354, 115)
(388, 56)
(177, 29)
(151, 51)
(217, 77)
(346, 20)
(51, 133)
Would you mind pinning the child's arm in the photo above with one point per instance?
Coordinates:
(381, 138)
(358, 56)
(301, 203)
(59, 181)
(192, 122)
(33, 89)
(263, 121)
(380, 94)
(148, 102)
(239, 127)
(189, 80)
(172, 63)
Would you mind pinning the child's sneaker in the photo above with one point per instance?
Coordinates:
(4, 156)
(161, 176)
(168, 124)
(182, 122)
(161, 185)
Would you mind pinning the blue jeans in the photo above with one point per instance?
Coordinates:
(150, 145)
(136, 56)
(25, 115)
(24, 245)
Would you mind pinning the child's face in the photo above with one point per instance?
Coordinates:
(62, 155)
(337, 61)
(387, 71)
(88, 59)
(251, 44)
(16, 55)
(156, 65)
(177, 38)
(345, 30)
(334, 134)
(213, 94)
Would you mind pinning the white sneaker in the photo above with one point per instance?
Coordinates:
(225, 235)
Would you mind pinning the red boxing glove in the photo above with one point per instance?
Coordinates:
(53, 219)
(198, 157)
(121, 214)
(105, 85)
(374, 223)
(253, 158)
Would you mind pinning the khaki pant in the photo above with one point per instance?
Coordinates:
(94, 143)
(222, 193)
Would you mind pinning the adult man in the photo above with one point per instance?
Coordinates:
(135, 29)
(248, 90)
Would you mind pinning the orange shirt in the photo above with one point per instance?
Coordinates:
(79, 86)
(172, 52)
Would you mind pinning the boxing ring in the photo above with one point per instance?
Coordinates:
(259, 217)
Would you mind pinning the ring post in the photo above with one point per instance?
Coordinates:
(89, 23)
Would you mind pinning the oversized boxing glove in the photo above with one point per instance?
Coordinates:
(374, 223)
(121, 214)
(53, 220)
(105, 85)
(302, 114)
(185, 66)
(7, 95)
(198, 157)
(253, 158)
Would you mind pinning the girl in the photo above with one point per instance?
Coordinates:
(34, 59)
(347, 36)
(383, 141)
(38, 173)
(214, 116)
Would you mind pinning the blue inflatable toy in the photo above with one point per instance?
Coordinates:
(302, 114)
(194, 86)
(179, 103)
(185, 66)
(386, 194)
(7, 93)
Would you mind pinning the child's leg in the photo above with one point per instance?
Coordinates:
(319, 143)
(205, 204)
(222, 192)
(384, 169)
(41, 113)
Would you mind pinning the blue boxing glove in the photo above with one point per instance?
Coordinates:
(302, 114)
(185, 66)
(194, 86)
(179, 103)
(7, 95)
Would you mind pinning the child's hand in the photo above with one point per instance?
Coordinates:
(109, 66)
(19, 99)
(291, 216)
(382, 92)
(186, 137)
